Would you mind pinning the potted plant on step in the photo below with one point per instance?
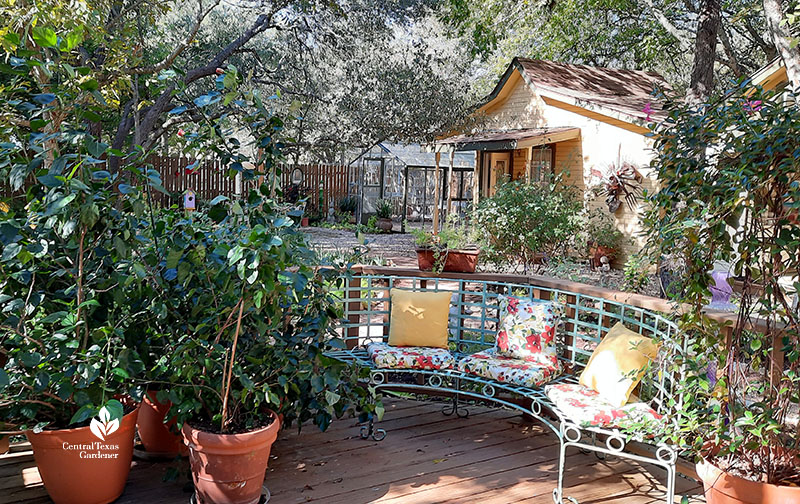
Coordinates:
(383, 211)
(735, 206)
(452, 249)
(602, 238)
(66, 252)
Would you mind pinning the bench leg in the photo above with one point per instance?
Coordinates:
(558, 492)
(456, 408)
(369, 431)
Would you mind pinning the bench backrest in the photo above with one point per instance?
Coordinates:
(474, 314)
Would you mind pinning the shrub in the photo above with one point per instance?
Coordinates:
(524, 221)
(348, 205)
(599, 230)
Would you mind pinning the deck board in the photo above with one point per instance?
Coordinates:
(492, 457)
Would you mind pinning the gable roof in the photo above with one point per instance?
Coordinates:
(621, 91)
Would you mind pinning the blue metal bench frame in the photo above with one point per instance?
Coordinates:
(473, 318)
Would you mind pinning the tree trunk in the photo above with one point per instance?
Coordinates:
(779, 30)
(702, 80)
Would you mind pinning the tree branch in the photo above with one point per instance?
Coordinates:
(167, 62)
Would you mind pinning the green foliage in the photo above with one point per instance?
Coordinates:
(739, 203)
(348, 205)
(383, 209)
(599, 230)
(248, 319)
(523, 221)
(636, 273)
(68, 251)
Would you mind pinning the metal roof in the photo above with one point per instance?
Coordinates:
(415, 155)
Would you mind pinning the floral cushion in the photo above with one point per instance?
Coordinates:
(586, 408)
(386, 356)
(489, 364)
(527, 329)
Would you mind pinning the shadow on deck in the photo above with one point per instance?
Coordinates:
(492, 457)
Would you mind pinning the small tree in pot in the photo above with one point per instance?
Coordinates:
(249, 319)
(736, 203)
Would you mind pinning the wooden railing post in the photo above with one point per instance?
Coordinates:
(354, 306)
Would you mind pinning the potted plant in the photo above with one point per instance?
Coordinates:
(383, 211)
(602, 238)
(250, 320)
(68, 366)
(734, 206)
(452, 249)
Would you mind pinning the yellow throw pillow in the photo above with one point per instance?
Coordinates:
(617, 364)
(419, 318)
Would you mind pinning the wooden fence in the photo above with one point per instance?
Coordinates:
(322, 185)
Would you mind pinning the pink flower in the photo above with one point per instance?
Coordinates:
(648, 110)
(752, 106)
(181, 133)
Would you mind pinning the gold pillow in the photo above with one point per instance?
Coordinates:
(419, 318)
(618, 363)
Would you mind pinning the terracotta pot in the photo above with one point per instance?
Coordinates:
(71, 467)
(724, 488)
(385, 224)
(304, 222)
(230, 468)
(4, 444)
(597, 252)
(156, 435)
(457, 261)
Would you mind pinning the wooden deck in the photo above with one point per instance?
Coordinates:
(492, 457)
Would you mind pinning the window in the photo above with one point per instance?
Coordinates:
(541, 165)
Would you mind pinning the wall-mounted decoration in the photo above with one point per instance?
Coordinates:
(621, 181)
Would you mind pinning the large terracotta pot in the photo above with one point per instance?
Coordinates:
(457, 261)
(77, 467)
(156, 435)
(230, 468)
(4, 444)
(724, 488)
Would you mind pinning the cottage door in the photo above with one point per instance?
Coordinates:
(498, 168)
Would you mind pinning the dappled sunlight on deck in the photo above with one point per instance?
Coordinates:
(492, 457)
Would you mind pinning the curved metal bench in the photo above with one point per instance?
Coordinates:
(473, 318)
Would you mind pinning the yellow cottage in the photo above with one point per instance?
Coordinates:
(585, 122)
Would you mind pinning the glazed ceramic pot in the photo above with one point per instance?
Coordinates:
(721, 487)
(230, 468)
(78, 466)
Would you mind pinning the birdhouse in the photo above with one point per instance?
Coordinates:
(189, 202)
